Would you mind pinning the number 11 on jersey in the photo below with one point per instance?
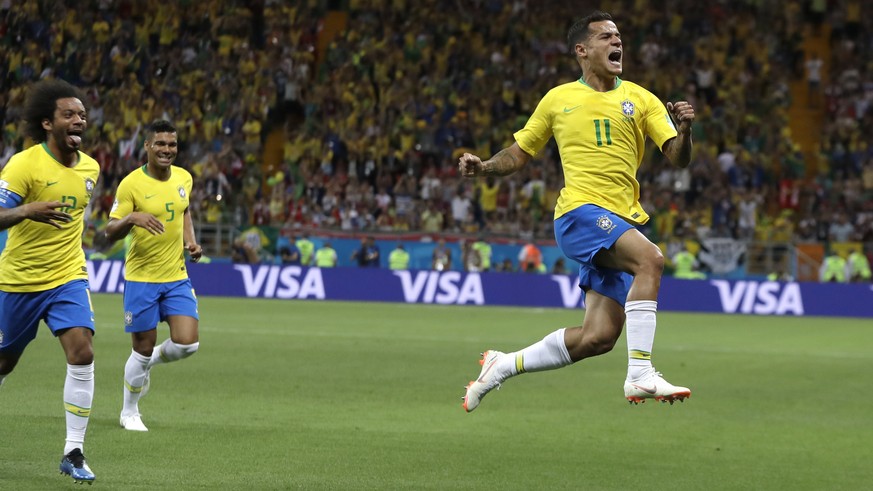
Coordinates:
(605, 124)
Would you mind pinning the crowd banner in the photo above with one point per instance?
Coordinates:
(722, 255)
(509, 289)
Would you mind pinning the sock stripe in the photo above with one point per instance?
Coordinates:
(131, 388)
(76, 410)
(519, 362)
(636, 354)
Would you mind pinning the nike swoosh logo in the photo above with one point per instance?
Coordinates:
(51, 183)
(486, 371)
(646, 389)
(149, 196)
(567, 110)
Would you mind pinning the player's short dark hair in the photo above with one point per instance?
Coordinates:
(579, 30)
(42, 101)
(159, 126)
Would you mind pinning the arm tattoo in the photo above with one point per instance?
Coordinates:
(503, 163)
(679, 150)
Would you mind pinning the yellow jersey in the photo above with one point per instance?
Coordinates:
(155, 258)
(37, 256)
(601, 138)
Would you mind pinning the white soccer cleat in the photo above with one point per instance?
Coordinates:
(488, 380)
(653, 386)
(133, 423)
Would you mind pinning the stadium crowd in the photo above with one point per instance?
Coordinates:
(387, 104)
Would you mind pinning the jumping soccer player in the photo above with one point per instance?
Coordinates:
(600, 123)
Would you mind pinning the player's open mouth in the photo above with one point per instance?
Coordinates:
(615, 58)
(165, 158)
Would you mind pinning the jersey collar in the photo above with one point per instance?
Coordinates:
(617, 83)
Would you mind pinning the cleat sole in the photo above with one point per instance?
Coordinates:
(672, 398)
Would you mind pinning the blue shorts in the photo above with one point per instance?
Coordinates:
(147, 304)
(582, 233)
(62, 307)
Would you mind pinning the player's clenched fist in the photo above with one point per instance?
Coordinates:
(682, 112)
(470, 165)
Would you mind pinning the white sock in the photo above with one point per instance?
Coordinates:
(134, 377)
(168, 351)
(78, 394)
(641, 323)
(548, 354)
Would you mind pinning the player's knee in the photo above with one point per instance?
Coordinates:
(653, 260)
(600, 345)
(81, 355)
(591, 345)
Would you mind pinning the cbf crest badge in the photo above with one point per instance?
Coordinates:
(627, 108)
(605, 223)
(181, 191)
(128, 318)
(89, 185)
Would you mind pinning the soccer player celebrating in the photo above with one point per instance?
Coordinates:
(43, 194)
(600, 123)
(152, 204)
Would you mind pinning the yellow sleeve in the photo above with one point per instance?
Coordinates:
(16, 177)
(536, 133)
(657, 123)
(123, 204)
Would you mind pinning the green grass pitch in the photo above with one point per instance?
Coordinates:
(332, 395)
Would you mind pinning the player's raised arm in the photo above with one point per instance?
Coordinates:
(503, 163)
(678, 149)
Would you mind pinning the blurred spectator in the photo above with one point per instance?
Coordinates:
(367, 256)
(325, 256)
(685, 266)
(243, 252)
(841, 230)
(431, 218)
(399, 258)
(530, 259)
(442, 257)
(306, 248)
(470, 258)
(483, 249)
(747, 214)
(859, 266)
(488, 190)
(290, 255)
(833, 269)
(461, 208)
(559, 267)
(813, 79)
